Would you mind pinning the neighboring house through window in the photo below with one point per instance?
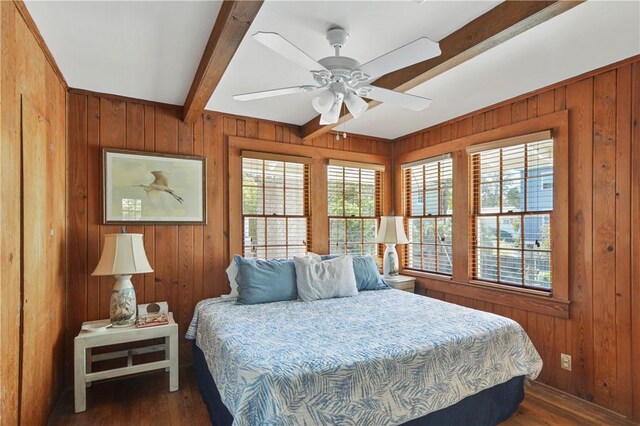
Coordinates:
(512, 206)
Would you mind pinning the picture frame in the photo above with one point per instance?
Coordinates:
(153, 189)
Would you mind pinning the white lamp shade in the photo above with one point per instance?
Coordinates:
(357, 106)
(391, 231)
(333, 115)
(323, 102)
(123, 254)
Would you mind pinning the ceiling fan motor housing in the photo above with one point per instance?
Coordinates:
(337, 37)
(340, 69)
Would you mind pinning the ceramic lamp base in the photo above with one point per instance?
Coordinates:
(390, 261)
(123, 302)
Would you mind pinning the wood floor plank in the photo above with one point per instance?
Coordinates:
(145, 400)
(582, 411)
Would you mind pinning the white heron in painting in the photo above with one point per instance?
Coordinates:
(160, 184)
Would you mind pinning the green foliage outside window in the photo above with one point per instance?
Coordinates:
(352, 210)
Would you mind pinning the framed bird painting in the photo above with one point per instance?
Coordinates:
(152, 188)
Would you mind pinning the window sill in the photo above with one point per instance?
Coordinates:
(424, 274)
(528, 300)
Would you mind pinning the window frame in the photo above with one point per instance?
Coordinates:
(378, 171)
(460, 284)
(475, 172)
(408, 198)
(306, 202)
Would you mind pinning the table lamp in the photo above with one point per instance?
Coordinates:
(122, 255)
(391, 232)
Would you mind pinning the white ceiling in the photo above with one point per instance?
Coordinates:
(589, 36)
(375, 27)
(151, 50)
(146, 50)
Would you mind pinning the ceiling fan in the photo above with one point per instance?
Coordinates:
(345, 80)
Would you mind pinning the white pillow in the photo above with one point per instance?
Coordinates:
(318, 279)
(312, 256)
(232, 273)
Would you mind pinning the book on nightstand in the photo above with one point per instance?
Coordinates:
(152, 314)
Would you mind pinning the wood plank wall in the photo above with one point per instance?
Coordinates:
(32, 223)
(603, 332)
(189, 261)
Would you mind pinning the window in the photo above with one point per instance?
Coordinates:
(354, 207)
(428, 189)
(275, 206)
(131, 209)
(512, 188)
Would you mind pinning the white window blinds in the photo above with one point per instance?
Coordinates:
(512, 207)
(354, 207)
(428, 191)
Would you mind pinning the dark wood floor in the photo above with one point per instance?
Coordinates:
(139, 400)
(145, 400)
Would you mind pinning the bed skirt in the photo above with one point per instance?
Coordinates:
(488, 407)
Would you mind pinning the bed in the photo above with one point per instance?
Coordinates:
(380, 358)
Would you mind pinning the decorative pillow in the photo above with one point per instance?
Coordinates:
(366, 271)
(232, 273)
(325, 279)
(313, 256)
(367, 274)
(329, 256)
(262, 281)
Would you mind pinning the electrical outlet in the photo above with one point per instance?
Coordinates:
(565, 362)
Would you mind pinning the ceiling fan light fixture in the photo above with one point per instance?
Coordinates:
(332, 115)
(324, 102)
(356, 105)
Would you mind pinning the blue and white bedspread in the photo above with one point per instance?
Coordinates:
(380, 358)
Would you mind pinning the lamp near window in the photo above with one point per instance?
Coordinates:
(391, 232)
(122, 255)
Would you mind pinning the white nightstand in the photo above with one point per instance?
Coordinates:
(402, 282)
(87, 340)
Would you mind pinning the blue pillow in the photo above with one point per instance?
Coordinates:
(329, 256)
(366, 271)
(262, 281)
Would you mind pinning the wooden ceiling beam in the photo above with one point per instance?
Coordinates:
(232, 23)
(498, 25)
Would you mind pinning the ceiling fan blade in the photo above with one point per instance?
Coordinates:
(391, 97)
(271, 93)
(409, 54)
(285, 48)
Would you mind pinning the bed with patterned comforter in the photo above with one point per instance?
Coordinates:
(379, 358)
